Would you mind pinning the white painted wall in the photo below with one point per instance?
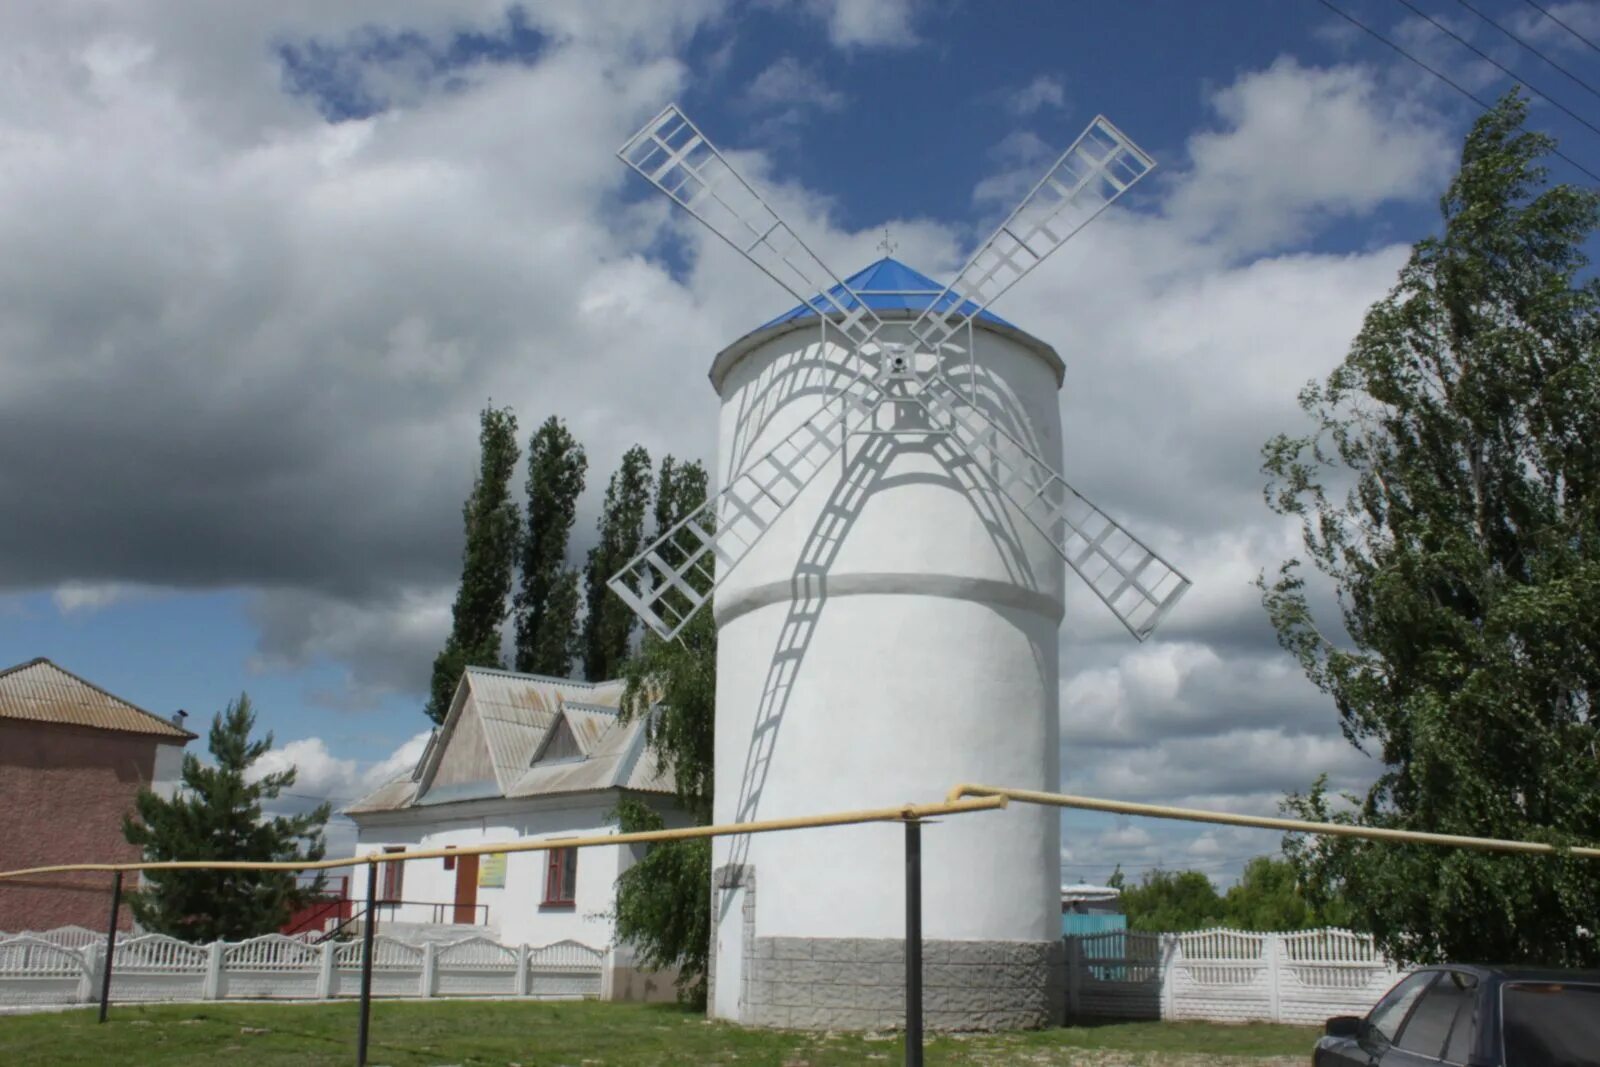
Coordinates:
(516, 913)
(932, 659)
(166, 775)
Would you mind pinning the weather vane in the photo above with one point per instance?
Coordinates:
(887, 245)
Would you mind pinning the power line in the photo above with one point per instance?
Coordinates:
(1592, 90)
(1442, 77)
(1563, 25)
(1501, 67)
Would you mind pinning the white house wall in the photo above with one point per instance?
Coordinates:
(516, 913)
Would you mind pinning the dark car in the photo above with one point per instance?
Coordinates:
(1476, 1017)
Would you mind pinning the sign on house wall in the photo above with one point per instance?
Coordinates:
(492, 871)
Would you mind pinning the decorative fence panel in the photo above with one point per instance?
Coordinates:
(564, 969)
(34, 971)
(271, 966)
(1323, 968)
(1225, 976)
(152, 967)
(478, 967)
(156, 967)
(397, 969)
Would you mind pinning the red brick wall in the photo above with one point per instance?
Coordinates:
(63, 792)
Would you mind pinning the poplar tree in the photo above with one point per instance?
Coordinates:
(609, 623)
(1450, 493)
(217, 816)
(492, 528)
(547, 602)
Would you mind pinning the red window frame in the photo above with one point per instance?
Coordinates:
(394, 876)
(561, 878)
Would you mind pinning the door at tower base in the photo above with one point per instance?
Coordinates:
(892, 633)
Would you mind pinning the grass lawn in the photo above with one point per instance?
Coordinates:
(583, 1034)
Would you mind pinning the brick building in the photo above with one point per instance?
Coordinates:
(72, 758)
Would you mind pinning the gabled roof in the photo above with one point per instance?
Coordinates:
(40, 691)
(887, 285)
(524, 735)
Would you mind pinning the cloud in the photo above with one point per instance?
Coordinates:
(785, 95)
(868, 23)
(790, 83)
(74, 598)
(1044, 91)
(1300, 146)
(320, 775)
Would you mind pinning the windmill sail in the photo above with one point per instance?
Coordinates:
(674, 156)
(673, 578)
(1136, 584)
(1102, 164)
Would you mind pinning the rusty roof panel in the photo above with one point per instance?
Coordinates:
(39, 691)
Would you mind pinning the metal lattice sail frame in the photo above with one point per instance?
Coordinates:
(676, 575)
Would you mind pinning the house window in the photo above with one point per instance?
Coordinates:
(450, 861)
(394, 875)
(561, 877)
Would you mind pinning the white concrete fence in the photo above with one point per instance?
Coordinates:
(65, 966)
(1225, 976)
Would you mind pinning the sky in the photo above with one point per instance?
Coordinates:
(264, 265)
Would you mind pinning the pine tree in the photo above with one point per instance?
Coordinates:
(1461, 436)
(609, 624)
(547, 603)
(490, 517)
(217, 816)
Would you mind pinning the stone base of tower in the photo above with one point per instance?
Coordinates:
(859, 983)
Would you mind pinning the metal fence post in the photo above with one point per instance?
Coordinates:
(913, 943)
(111, 944)
(366, 964)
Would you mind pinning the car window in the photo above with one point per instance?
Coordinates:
(1390, 1012)
(1428, 1027)
(1551, 1024)
(1465, 1028)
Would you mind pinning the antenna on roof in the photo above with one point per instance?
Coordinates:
(887, 246)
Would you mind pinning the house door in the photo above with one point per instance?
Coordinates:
(466, 889)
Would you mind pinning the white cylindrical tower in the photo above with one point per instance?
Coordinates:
(893, 633)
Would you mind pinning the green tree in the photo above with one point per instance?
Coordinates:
(1268, 898)
(663, 902)
(609, 623)
(1450, 493)
(547, 602)
(490, 518)
(1169, 901)
(217, 816)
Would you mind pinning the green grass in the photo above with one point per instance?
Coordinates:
(580, 1034)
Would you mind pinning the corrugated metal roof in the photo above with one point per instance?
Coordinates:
(513, 715)
(40, 691)
(887, 285)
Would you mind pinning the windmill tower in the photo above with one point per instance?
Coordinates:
(887, 556)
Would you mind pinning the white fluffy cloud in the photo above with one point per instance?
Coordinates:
(320, 775)
(1302, 145)
(868, 23)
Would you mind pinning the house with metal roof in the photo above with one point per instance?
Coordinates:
(519, 756)
(72, 759)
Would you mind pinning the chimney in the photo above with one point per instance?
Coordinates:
(178, 717)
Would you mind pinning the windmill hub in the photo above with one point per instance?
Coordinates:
(888, 600)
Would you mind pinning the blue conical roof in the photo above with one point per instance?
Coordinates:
(887, 285)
